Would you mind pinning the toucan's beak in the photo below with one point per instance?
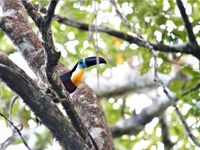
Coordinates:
(91, 61)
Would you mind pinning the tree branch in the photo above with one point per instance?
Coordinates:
(32, 11)
(165, 132)
(178, 112)
(40, 104)
(192, 89)
(8, 141)
(137, 122)
(130, 80)
(50, 12)
(17, 130)
(43, 25)
(32, 49)
(187, 23)
(187, 128)
(52, 60)
(15, 25)
(182, 48)
(87, 27)
(156, 77)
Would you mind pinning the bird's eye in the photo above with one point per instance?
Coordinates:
(81, 63)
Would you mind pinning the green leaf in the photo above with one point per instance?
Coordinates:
(6, 94)
(176, 85)
(165, 67)
(161, 20)
(191, 83)
(163, 56)
(190, 71)
(195, 94)
(15, 108)
(18, 141)
(146, 55)
(112, 115)
(145, 67)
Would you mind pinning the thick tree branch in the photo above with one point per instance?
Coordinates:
(15, 25)
(52, 60)
(44, 26)
(182, 48)
(137, 122)
(87, 27)
(40, 104)
(188, 24)
(15, 38)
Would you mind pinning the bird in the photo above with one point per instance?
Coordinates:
(73, 78)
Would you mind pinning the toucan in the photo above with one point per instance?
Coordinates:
(73, 78)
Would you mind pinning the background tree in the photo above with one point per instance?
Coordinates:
(149, 89)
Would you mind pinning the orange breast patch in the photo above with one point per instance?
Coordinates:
(77, 77)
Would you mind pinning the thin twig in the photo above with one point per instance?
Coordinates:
(96, 42)
(156, 77)
(146, 44)
(191, 90)
(11, 106)
(17, 130)
(187, 128)
(187, 23)
(8, 141)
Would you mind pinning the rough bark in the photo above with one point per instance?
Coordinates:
(40, 104)
(86, 104)
(15, 24)
(95, 118)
